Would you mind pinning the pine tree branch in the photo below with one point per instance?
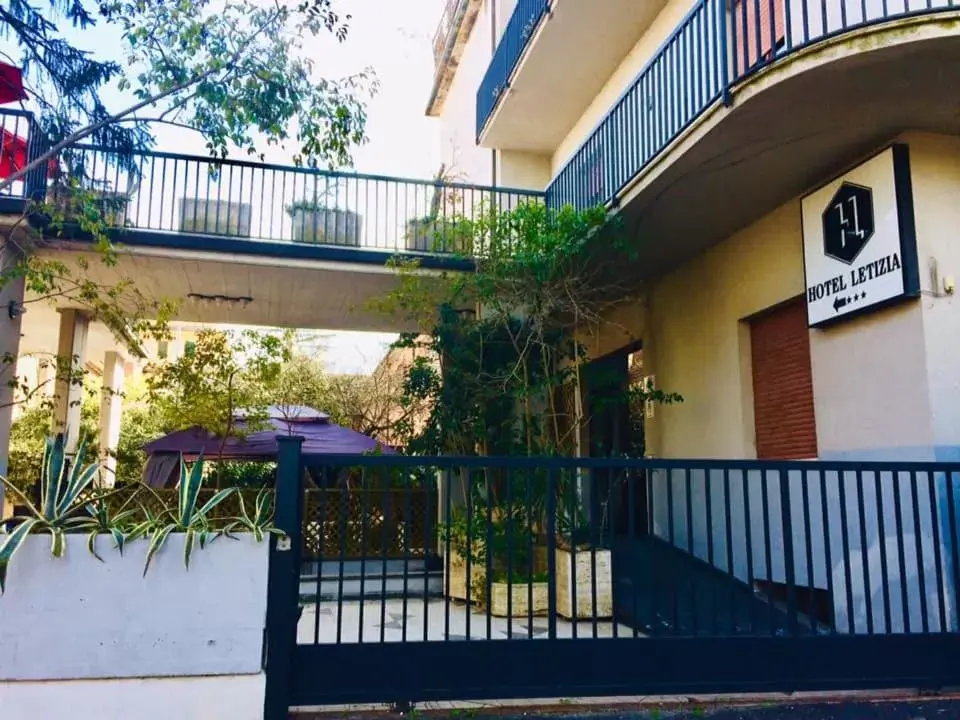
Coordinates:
(152, 100)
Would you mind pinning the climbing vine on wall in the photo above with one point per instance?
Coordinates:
(509, 335)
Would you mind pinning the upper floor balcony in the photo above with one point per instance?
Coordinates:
(553, 58)
(175, 201)
(748, 103)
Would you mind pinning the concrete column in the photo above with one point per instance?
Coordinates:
(11, 299)
(111, 405)
(71, 359)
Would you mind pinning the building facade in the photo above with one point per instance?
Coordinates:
(732, 138)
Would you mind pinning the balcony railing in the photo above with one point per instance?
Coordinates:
(717, 45)
(167, 193)
(20, 137)
(448, 25)
(520, 28)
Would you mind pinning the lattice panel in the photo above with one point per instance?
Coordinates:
(367, 523)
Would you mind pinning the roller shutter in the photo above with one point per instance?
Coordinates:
(786, 427)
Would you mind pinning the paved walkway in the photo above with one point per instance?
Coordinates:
(385, 621)
(803, 706)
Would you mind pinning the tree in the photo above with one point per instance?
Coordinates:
(221, 379)
(231, 70)
(28, 436)
(509, 335)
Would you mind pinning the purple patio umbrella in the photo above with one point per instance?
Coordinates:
(321, 437)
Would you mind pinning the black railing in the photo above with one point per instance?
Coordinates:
(547, 577)
(167, 193)
(521, 26)
(542, 548)
(715, 47)
(20, 143)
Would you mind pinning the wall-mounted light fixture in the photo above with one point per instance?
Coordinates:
(242, 300)
(15, 309)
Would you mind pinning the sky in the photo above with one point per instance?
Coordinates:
(393, 37)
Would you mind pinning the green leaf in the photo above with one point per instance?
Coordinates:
(190, 484)
(11, 543)
(157, 541)
(216, 500)
(57, 542)
(188, 541)
(92, 544)
(119, 539)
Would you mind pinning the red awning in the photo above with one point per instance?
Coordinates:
(13, 156)
(11, 84)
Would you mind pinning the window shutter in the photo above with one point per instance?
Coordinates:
(786, 426)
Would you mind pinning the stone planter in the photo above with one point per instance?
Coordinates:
(326, 226)
(421, 235)
(522, 593)
(584, 586)
(455, 581)
(455, 586)
(112, 206)
(213, 217)
(123, 640)
(434, 235)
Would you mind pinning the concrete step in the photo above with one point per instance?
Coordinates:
(368, 580)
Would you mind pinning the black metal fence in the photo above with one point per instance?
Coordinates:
(20, 136)
(171, 193)
(855, 561)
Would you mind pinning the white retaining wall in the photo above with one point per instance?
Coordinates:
(164, 643)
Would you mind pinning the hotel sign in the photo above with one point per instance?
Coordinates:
(859, 242)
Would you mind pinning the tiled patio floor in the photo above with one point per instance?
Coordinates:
(383, 621)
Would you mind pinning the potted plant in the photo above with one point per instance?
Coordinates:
(583, 562)
(104, 608)
(517, 562)
(213, 216)
(317, 223)
(74, 203)
(435, 232)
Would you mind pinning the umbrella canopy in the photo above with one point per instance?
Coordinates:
(11, 84)
(13, 156)
(321, 437)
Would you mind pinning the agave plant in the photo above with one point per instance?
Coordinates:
(62, 507)
(102, 520)
(188, 519)
(260, 523)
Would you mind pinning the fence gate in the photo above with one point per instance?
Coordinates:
(474, 578)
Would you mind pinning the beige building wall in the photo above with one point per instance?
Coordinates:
(458, 120)
(698, 345)
(936, 185)
(645, 48)
(516, 169)
(886, 384)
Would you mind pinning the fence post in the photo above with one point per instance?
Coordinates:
(283, 582)
(724, 51)
(789, 558)
(552, 552)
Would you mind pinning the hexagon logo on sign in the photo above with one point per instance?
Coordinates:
(848, 222)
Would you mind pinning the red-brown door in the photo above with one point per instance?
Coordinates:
(786, 428)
